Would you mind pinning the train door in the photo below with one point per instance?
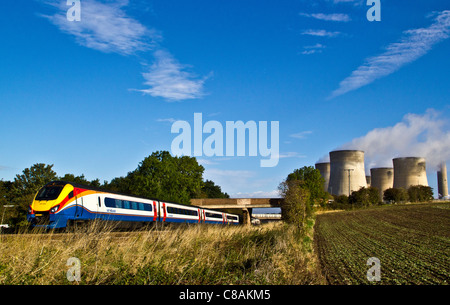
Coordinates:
(78, 207)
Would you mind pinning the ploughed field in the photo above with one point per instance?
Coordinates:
(412, 243)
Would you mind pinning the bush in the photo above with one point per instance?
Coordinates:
(296, 208)
(396, 195)
(420, 193)
(365, 197)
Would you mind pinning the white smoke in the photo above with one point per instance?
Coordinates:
(426, 135)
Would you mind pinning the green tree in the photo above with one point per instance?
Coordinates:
(313, 182)
(80, 180)
(5, 200)
(25, 187)
(420, 193)
(302, 189)
(296, 208)
(211, 190)
(163, 176)
(365, 197)
(396, 195)
(340, 202)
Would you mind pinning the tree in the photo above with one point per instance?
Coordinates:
(25, 187)
(5, 199)
(396, 195)
(296, 208)
(211, 190)
(302, 189)
(313, 182)
(80, 180)
(163, 176)
(420, 193)
(365, 197)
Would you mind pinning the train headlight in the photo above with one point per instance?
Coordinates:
(54, 209)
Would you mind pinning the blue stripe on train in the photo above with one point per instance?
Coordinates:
(60, 219)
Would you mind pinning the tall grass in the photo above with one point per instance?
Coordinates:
(200, 254)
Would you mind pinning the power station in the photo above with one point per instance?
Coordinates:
(382, 178)
(409, 171)
(345, 173)
(324, 169)
(442, 181)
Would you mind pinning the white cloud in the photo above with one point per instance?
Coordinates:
(317, 48)
(291, 154)
(167, 78)
(206, 162)
(301, 135)
(413, 45)
(320, 33)
(426, 135)
(168, 120)
(328, 17)
(105, 27)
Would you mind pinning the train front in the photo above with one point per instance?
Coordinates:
(47, 208)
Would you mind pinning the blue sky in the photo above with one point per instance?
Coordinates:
(97, 96)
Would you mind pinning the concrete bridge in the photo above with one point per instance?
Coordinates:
(244, 204)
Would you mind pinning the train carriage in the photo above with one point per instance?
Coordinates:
(60, 204)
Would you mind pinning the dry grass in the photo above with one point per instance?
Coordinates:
(200, 254)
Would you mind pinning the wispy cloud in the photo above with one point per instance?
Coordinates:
(320, 33)
(301, 135)
(168, 120)
(328, 17)
(105, 27)
(290, 154)
(354, 2)
(414, 44)
(317, 48)
(169, 79)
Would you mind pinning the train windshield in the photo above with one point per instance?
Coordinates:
(49, 192)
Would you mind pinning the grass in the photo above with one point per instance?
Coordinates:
(273, 254)
(411, 242)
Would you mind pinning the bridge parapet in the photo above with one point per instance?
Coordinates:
(237, 203)
(246, 204)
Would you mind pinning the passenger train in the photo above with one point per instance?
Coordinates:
(60, 204)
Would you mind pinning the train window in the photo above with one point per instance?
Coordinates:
(179, 211)
(71, 194)
(110, 203)
(213, 215)
(99, 202)
(134, 205)
(49, 192)
(119, 204)
(126, 204)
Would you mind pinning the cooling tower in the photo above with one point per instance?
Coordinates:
(382, 179)
(324, 169)
(346, 172)
(368, 181)
(409, 171)
(442, 181)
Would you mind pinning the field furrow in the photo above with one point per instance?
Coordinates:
(412, 243)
